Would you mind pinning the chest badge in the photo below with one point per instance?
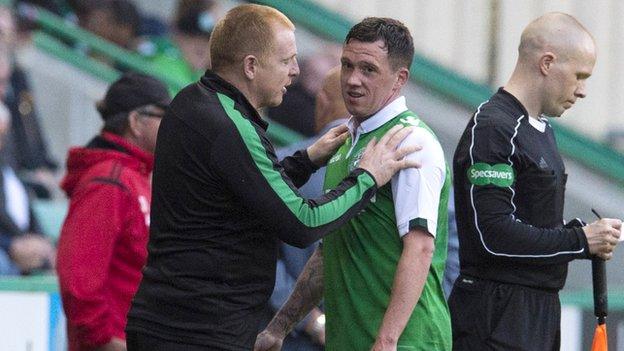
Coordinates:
(335, 158)
(542, 163)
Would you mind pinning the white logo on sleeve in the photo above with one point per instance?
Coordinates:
(411, 120)
(145, 208)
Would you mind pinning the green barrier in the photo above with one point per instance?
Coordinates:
(42, 283)
(61, 51)
(443, 81)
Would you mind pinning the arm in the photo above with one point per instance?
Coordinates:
(303, 163)
(493, 208)
(409, 281)
(85, 250)
(306, 295)
(298, 167)
(416, 196)
(243, 160)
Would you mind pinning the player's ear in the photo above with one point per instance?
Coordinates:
(250, 66)
(546, 61)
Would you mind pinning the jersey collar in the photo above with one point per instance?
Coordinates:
(388, 112)
(538, 123)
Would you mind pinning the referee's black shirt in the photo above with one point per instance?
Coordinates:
(509, 193)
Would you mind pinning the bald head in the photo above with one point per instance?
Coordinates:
(556, 57)
(329, 103)
(554, 32)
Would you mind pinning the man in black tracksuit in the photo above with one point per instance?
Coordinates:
(221, 200)
(509, 194)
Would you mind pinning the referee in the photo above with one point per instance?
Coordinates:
(509, 194)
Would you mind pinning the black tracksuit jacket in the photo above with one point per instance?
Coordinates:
(509, 194)
(221, 201)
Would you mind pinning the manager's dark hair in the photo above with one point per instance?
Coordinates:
(395, 35)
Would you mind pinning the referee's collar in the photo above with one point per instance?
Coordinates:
(388, 112)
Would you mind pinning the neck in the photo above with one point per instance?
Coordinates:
(395, 94)
(526, 89)
(243, 85)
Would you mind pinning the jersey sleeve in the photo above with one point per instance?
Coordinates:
(243, 159)
(299, 167)
(492, 153)
(416, 191)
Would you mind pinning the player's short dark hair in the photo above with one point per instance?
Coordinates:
(394, 34)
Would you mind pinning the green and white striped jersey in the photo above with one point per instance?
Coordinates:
(361, 257)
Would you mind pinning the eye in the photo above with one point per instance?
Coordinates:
(369, 69)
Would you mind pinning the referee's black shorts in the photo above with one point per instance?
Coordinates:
(488, 315)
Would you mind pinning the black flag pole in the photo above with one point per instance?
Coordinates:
(601, 304)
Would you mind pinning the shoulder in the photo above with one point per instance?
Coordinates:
(421, 134)
(198, 109)
(431, 152)
(108, 174)
(501, 112)
(496, 115)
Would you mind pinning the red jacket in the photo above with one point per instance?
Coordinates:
(102, 247)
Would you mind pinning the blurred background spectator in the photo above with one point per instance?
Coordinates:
(22, 249)
(117, 21)
(297, 109)
(26, 149)
(185, 54)
(103, 248)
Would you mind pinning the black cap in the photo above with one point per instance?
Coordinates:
(131, 91)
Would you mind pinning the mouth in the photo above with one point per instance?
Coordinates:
(285, 87)
(354, 94)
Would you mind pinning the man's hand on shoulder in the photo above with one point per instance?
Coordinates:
(383, 158)
(320, 152)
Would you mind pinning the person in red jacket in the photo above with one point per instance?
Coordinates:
(102, 247)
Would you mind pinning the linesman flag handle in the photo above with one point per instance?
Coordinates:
(601, 305)
(599, 278)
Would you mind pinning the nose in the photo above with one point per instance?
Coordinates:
(294, 69)
(353, 79)
(581, 90)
